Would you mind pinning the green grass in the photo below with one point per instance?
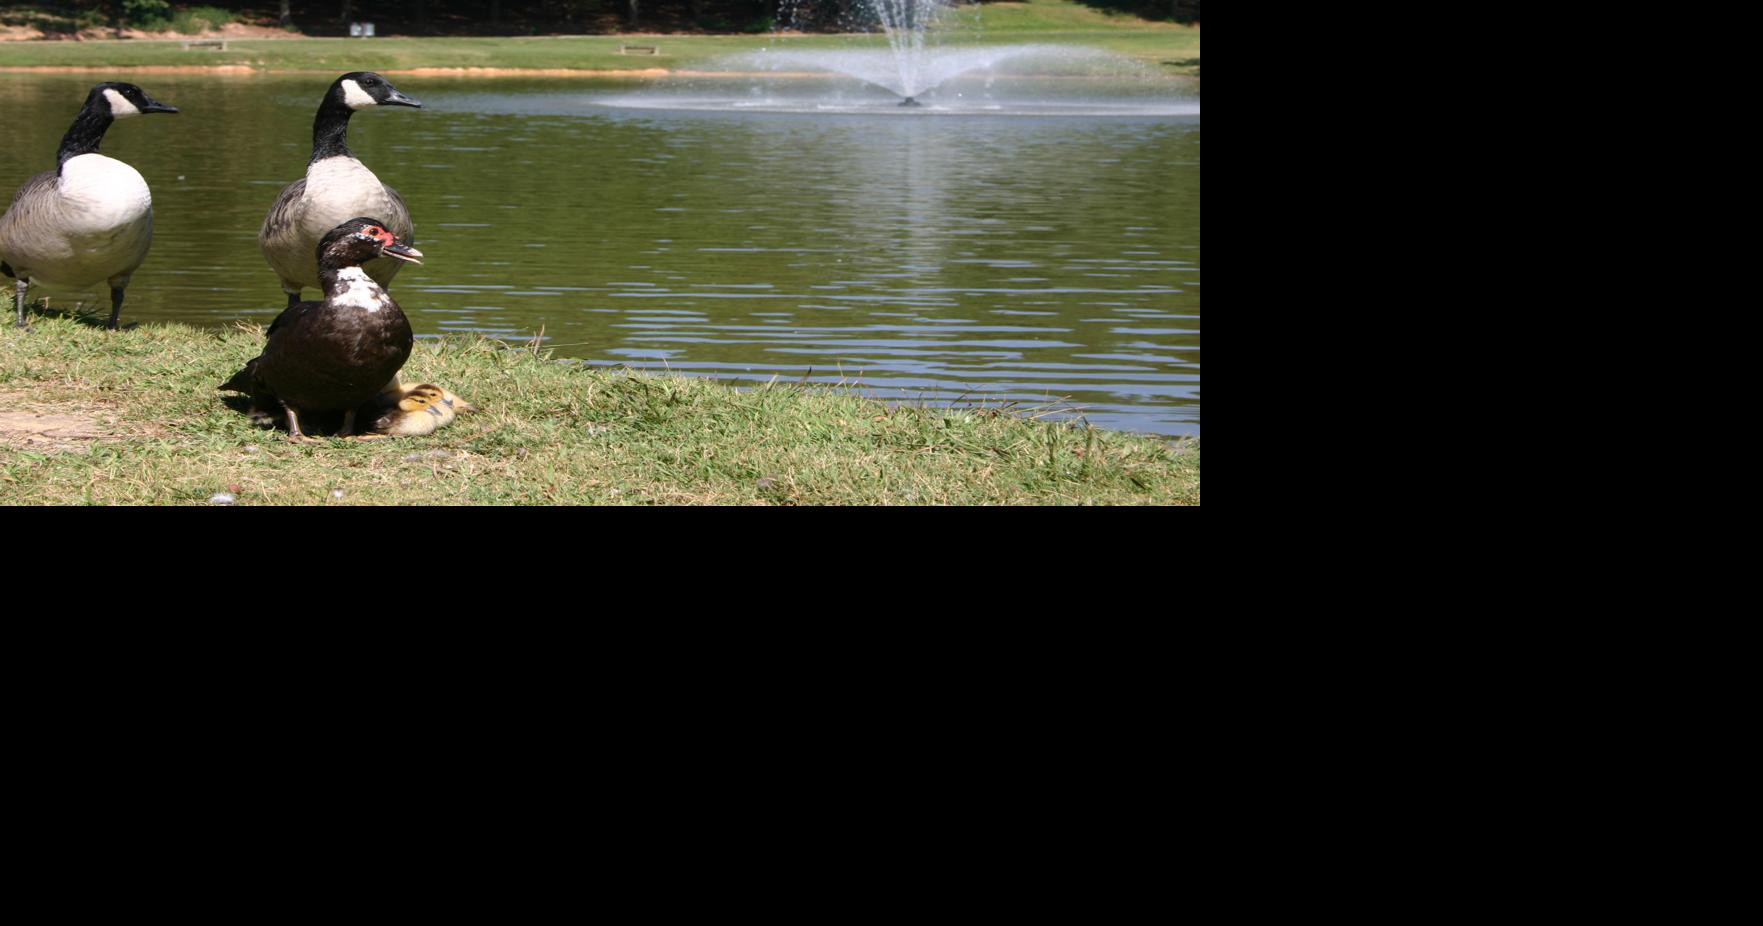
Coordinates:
(156, 432)
(1173, 48)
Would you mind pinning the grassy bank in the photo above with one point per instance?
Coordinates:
(133, 418)
(1172, 48)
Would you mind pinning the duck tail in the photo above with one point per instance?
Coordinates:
(243, 381)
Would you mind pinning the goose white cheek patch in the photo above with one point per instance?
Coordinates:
(355, 97)
(120, 107)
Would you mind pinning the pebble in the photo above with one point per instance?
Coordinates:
(222, 498)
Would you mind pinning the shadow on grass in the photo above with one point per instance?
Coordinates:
(80, 315)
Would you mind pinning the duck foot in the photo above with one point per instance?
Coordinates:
(295, 436)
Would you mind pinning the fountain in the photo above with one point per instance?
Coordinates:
(918, 75)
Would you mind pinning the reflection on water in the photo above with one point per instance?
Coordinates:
(945, 259)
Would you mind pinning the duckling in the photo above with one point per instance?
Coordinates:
(337, 185)
(394, 391)
(89, 221)
(328, 356)
(422, 410)
(413, 411)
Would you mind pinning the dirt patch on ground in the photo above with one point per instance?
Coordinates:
(525, 72)
(228, 31)
(131, 69)
(33, 429)
(35, 425)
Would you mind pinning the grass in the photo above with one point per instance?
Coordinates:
(142, 424)
(1174, 49)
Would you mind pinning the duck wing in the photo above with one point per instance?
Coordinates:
(245, 380)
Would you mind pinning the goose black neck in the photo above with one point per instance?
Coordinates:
(86, 134)
(330, 131)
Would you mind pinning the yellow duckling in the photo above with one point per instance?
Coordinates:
(420, 410)
(394, 391)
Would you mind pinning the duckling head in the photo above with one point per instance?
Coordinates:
(424, 398)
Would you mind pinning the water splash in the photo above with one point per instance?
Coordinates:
(922, 72)
(921, 76)
(906, 23)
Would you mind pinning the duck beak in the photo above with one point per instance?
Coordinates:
(396, 98)
(403, 252)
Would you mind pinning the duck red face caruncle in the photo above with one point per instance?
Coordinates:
(389, 244)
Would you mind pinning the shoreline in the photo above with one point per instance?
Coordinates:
(79, 427)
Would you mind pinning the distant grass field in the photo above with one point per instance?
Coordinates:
(1174, 49)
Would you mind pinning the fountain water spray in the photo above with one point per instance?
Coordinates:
(926, 77)
(906, 22)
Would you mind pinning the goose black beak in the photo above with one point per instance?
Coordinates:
(154, 106)
(396, 98)
(403, 252)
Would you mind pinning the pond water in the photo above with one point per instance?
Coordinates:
(1031, 258)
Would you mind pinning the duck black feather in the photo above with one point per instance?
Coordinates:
(337, 354)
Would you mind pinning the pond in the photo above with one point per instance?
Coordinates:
(1031, 258)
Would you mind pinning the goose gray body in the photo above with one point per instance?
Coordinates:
(91, 220)
(90, 223)
(337, 186)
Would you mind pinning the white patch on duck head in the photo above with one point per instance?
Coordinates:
(120, 107)
(356, 98)
(357, 290)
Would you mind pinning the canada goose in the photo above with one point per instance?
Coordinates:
(337, 186)
(337, 354)
(88, 221)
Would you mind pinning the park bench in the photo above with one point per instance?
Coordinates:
(218, 44)
(639, 49)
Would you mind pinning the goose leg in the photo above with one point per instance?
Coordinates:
(23, 284)
(293, 298)
(115, 306)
